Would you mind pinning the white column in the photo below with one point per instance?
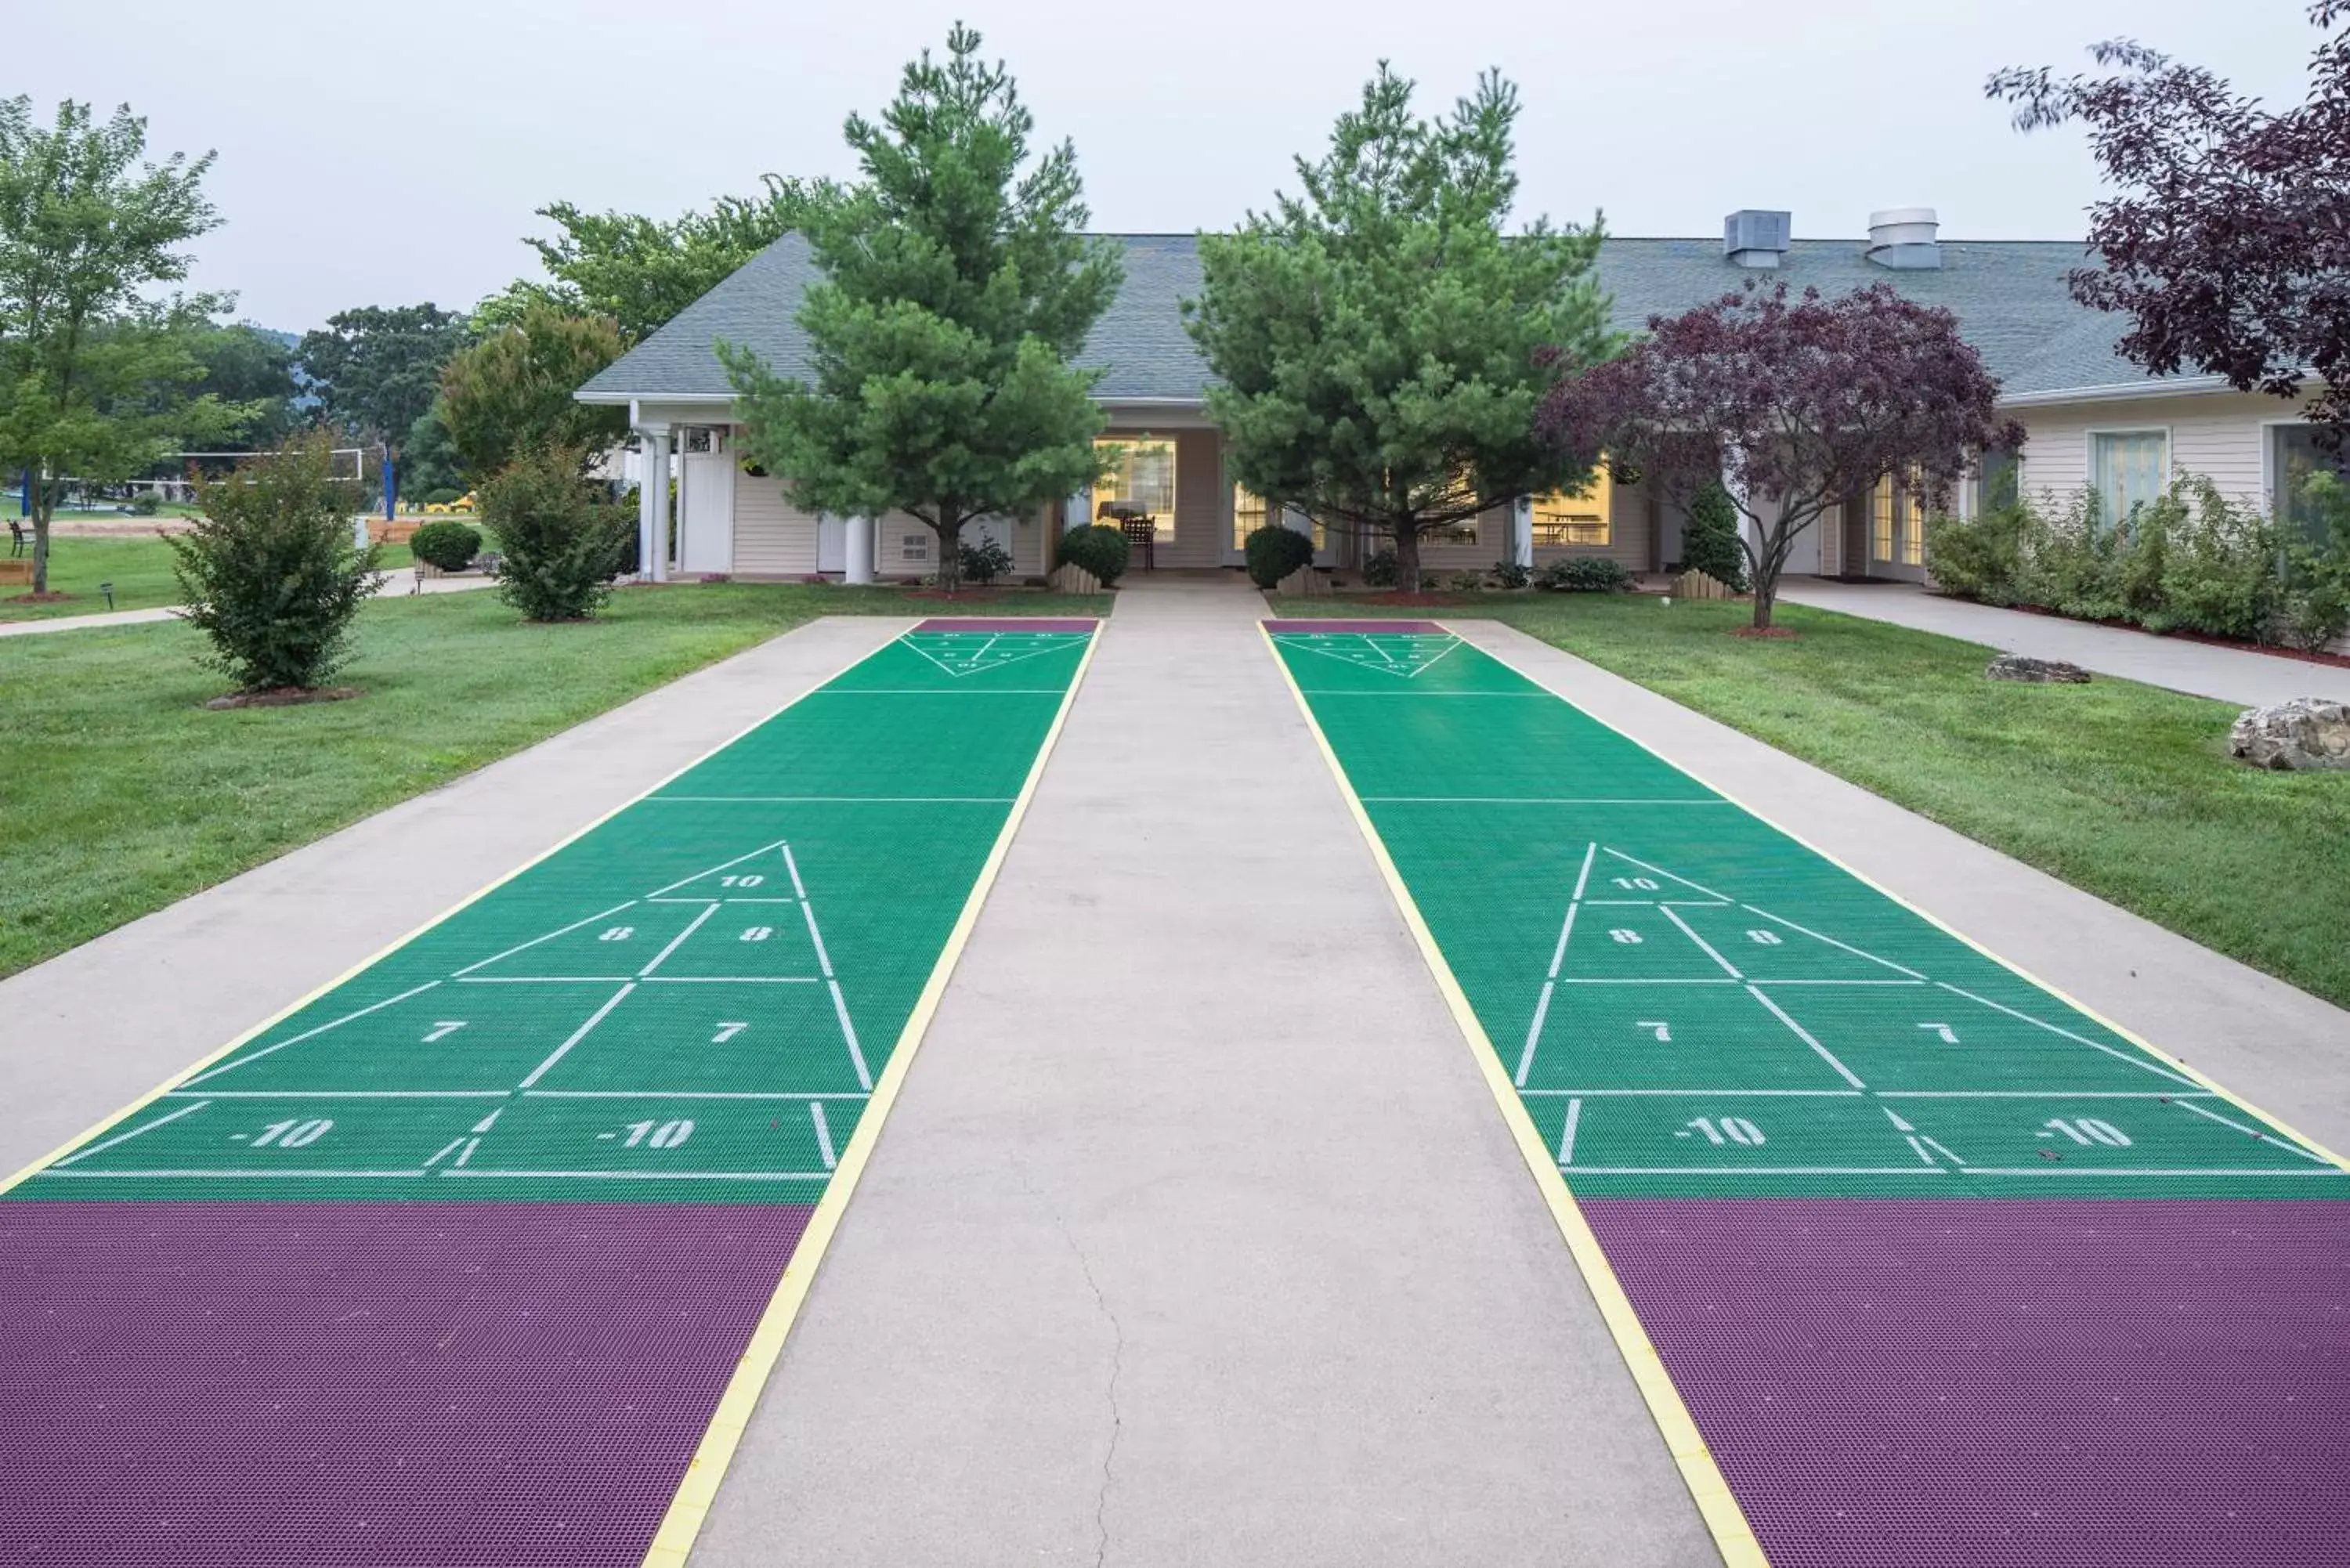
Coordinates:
(857, 533)
(1522, 531)
(644, 503)
(655, 561)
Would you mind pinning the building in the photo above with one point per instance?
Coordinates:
(2092, 418)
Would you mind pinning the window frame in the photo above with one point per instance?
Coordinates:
(2089, 460)
(1162, 528)
(2270, 475)
(1603, 480)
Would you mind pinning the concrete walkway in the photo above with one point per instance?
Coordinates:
(1195, 1237)
(399, 584)
(2200, 668)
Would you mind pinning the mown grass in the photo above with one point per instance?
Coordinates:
(121, 794)
(2122, 790)
(140, 569)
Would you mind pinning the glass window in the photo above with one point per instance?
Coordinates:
(1999, 483)
(1250, 512)
(2295, 459)
(1880, 516)
(1468, 531)
(1913, 523)
(1140, 484)
(2129, 469)
(1581, 517)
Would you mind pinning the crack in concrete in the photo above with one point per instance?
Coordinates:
(1116, 1368)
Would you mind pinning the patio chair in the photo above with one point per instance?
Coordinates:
(19, 538)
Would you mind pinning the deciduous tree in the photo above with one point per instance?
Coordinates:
(88, 355)
(512, 392)
(957, 288)
(2227, 242)
(1790, 405)
(641, 271)
(1378, 340)
(376, 369)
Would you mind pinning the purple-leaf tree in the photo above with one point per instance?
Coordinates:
(2228, 242)
(1794, 405)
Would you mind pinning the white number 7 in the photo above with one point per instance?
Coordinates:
(727, 1032)
(1664, 1031)
(442, 1030)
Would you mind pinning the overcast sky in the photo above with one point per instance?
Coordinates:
(385, 156)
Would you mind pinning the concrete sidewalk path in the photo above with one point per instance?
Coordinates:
(1196, 1237)
(397, 584)
(2279, 1047)
(2176, 664)
(90, 1029)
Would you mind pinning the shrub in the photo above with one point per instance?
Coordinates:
(1274, 552)
(1509, 575)
(558, 550)
(269, 572)
(1096, 549)
(1710, 541)
(1466, 582)
(146, 504)
(450, 547)
(2314, 607)
(2222, 570)
(1380, 570)
(1584, 575)
(982, 560)
(444, 495)
(1982, 558)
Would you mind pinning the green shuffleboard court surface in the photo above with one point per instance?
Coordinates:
(1693, 1003)
(691, 1001)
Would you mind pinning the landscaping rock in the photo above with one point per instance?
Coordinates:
(2036, 671)
(2299, 732)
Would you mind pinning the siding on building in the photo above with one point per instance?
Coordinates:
(771, 537)
(2219, 435)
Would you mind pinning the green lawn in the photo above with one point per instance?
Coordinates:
(120, 794)
(2120, 789)
(140, 569)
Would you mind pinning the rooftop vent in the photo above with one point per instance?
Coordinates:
(1753, 238)
(1903, 239)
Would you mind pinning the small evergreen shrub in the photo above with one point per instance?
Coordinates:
(1509, 575)
(1102, 550)
(1584, 575)
(1274, 552)
(982, 560)
(1710, 541)
(146, 504)
(1466, 582)
(269, 572)
(450, 547)
(558, 550)
(1380, 569)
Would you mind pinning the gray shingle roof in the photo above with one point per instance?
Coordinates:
(2008, 295)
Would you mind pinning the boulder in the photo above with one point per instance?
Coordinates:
(2299, 732)
(2036, 671)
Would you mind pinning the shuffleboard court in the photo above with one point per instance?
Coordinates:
(1945, 1269)
(454, 1262)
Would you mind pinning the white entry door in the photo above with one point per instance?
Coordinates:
(831, 544)
(706, 523)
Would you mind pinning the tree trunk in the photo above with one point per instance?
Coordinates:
(1766, 597)
(950, 573)
(1406, 548)
(42, 507)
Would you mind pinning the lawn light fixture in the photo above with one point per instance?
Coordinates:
(108, 589)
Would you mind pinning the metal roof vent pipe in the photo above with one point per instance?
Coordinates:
(1751, 238)
(1904, 238)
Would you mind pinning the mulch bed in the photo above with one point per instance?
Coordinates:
(2307, 656)
(285, 696)
(52, 599)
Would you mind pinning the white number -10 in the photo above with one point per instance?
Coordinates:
(2087, 1130)
(663, 1135)
(1729, 1130)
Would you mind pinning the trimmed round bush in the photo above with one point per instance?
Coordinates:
(450, 547)
(1274, 552)
(1099, 550)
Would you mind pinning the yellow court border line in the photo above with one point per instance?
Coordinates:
(1732, 1535)
(697, 1492)
(1866, 880)
(451, 913)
